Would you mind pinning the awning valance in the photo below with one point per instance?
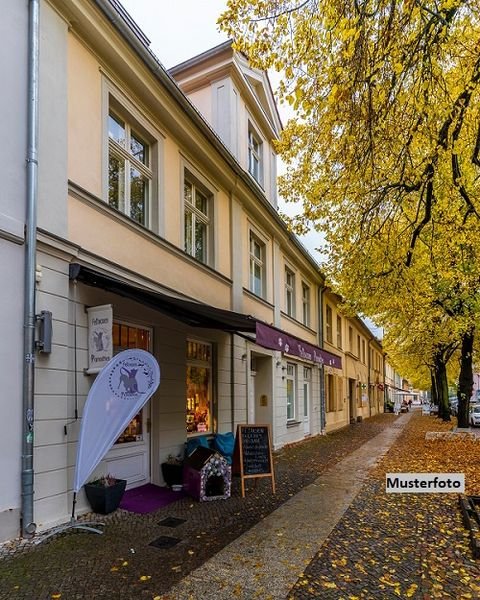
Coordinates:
(192, 313)
(276, 339)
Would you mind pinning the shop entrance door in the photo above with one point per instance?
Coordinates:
(129, 458)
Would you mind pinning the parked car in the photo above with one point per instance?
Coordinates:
(453, 406)
(475, 415)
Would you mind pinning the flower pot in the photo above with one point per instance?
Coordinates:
(172, 474)
(105, 499)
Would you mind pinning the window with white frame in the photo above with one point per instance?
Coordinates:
(289, 292)
(305, 304)
(291, 391)
(129, 169)
(257, 266)
(329, 324)
(197, 216)
(255, 166)
(339, 332)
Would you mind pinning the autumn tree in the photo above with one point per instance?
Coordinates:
(384, 150)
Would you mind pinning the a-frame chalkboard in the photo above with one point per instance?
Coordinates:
(252, 456)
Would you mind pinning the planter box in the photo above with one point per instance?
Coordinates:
(104, 500)
(172, 474)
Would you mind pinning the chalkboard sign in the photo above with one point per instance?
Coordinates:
(253, 453)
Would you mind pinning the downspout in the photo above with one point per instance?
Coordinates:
(323, 421)
(369, 391)
(27, 524)
(232, 381)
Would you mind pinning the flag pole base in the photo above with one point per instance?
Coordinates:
(91, 527)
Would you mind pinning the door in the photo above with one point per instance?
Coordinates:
(307, 375)
(129, 458)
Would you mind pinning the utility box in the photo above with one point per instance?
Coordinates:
(207, 475)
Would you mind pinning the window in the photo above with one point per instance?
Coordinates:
(339, 332)
(330, 393)
(124, 337)
(254, 155)
(358, 346)
(350, 339)
(129, 170)
(305, 305)
(289, 292)
(197, 206)
(257, 266)
(199, 383)
(307, 377)
(363, 351)
(328, 324)
(291, 386)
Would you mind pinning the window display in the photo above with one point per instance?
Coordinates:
(124, 337)
(199, 401)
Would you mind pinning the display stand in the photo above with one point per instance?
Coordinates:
(74, 524)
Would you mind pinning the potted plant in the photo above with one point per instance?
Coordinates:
(172, 470)
(105, 493)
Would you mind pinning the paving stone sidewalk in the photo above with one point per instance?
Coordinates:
(266, 561)
(121, 564)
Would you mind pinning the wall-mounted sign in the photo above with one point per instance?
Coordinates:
(100, 350)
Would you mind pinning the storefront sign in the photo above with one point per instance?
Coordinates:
(252, 456)
(275, 339)
(118, 393)
(100, 320)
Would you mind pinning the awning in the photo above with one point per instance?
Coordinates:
(197, 314)
(189, 312)
(276, 339)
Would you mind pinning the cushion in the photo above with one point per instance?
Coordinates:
(225, 443)
(194, 443)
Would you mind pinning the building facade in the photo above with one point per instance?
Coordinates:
(158, 229)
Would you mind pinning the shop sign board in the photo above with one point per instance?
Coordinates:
(100, 350)
(252, 455)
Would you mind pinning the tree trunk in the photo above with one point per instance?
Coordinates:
(434, 398)
(465, 380)
(442, 388)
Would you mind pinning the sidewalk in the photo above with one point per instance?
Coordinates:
(123, 564)
(267, 561)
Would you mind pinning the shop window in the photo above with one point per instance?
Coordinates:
(291, 396)
(123, 338)
(330, 393)
(199, 383)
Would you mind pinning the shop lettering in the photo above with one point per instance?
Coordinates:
(98, 321)
(96, 359)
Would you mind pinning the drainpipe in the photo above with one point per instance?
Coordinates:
(321, 289)
(27, 524)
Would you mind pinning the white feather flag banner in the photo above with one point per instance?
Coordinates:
(118, 393)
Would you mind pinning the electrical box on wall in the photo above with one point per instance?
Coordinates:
(44, 342)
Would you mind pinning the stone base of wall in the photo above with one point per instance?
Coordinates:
(450, 435)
